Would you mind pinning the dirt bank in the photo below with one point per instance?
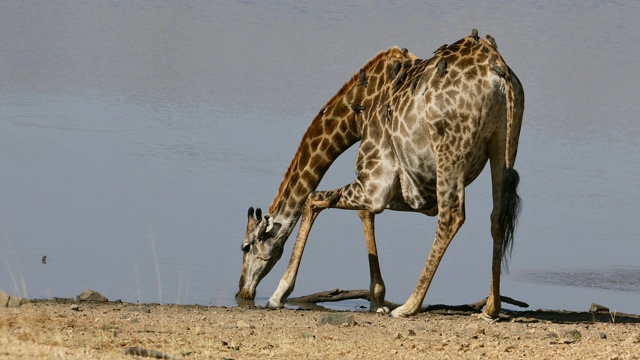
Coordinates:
(64, 329)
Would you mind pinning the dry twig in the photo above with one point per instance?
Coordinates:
(340, 295)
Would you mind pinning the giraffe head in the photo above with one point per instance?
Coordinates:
(261, 250)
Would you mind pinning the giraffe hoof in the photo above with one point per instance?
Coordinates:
(400, 313)
(273, 305)
(491, 319)
(382, 310)
(487, 318)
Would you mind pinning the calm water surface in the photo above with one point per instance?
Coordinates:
(135, 135)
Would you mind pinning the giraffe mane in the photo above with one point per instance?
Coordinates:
(392, 51)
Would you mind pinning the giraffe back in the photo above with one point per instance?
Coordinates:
(337, 126)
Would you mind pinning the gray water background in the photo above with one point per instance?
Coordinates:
(135, 135)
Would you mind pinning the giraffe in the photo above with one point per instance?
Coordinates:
(443, 120)
(335, 128)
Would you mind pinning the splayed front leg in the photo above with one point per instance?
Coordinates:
(316, 202)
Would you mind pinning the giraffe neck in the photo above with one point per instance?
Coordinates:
(336, 128)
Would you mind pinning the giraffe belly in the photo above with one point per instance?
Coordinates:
(418, 186)
(415, 169)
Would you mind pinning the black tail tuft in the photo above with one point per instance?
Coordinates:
(509, 211)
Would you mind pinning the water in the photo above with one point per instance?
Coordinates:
(134, 136)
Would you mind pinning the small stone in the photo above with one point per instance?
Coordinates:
(412, 333)
(338, 319)
(74, 307)
(633, 339)
(92, 296)
(603, 335)
(573, 334)
(4, 299)
(137, 308)
(567, 333)
(15, 301)
(7, 300)
(596, 308)
(241, 324)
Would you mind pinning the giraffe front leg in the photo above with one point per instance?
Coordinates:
(316, 202)
(376, 289)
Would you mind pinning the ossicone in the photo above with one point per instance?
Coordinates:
(258, 213)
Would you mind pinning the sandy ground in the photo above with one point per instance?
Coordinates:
(64, 329)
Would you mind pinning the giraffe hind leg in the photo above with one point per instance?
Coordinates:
(451, 216)
(506, 208)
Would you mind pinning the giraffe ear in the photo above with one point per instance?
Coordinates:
(266, 224)
(269, 219)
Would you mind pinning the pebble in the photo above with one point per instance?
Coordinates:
(241, 324)
(633, 339)
(566, 333)
(4, 299)
(573, 334)
(15, 301)
(597, 308)
(138, 309)
(338, 319)
(7, 300)
(91, 295)
(138, 351)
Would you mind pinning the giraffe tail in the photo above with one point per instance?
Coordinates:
(511, 203)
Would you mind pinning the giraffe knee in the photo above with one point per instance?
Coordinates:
(496, 231)
(454, 217)
(320, 200)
